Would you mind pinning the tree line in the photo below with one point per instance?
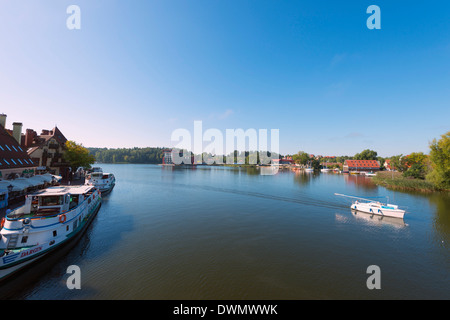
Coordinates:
(128, 155)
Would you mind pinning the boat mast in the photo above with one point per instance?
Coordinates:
(343, 195)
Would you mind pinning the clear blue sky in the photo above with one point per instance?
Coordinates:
(137, 70)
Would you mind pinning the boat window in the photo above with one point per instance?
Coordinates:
(55, 233)
(24, 239)
(73, 201)
(51, 201)
(105, 176)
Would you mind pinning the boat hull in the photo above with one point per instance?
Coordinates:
(45, 251)
(382, 211)
(105, 191)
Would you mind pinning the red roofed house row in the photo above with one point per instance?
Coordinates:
(361, 165)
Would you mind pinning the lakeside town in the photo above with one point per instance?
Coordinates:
(29, 161)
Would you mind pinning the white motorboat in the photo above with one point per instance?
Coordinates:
(104, 181)
(375, 207)
(49, 219)
(370, 174)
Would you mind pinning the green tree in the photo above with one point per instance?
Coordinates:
(301, 157)
(397, 163)
(440, 162)
(417, 171)
(415, 165)
(77, 155)
(366, 155)
(416, 158)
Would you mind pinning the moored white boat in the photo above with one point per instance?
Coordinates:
(370, 174)
(104, 181)
(375, 207)
(47, 221)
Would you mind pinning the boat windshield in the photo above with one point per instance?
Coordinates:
(51, 201)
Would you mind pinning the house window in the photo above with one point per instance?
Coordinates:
(14, 148)
(13, 161)
(8, 147)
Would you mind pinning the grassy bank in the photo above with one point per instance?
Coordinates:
(396, 181)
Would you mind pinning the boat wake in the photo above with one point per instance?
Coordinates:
(305, 200)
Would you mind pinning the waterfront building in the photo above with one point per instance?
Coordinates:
(284, 160)
(47, 150)
(361, 165)
(387, 165)
(167, 158)
(14, 160)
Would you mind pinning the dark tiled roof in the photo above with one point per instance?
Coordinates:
(12, 155)
(40, 140)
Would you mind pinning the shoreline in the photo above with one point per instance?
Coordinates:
(396, 181)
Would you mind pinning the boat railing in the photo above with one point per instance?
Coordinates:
(39, 213)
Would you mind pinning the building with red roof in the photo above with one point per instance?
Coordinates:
(361, 165)
(14, 159)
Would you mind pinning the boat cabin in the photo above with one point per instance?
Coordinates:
(52, 201)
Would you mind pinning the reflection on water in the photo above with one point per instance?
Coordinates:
(378, 220)
(441, 220)
(302, 177)
(233, 233)
(360, 181)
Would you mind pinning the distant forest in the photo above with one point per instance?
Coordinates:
(127, 155)
(144, 155)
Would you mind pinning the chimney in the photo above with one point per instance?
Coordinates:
(17, 131)
(2, 120)
(29, 137)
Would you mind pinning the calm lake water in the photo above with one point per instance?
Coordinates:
(231, 233)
